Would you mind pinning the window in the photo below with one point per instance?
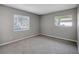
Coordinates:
(63, 20)
(21, 23)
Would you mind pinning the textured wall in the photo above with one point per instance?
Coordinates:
(48, 25)
(39, 24)
(78, 26)
(6, 24)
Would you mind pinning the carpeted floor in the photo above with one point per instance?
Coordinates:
(40, 45)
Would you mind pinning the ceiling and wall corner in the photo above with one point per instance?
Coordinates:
(35, 27)
(41, 9)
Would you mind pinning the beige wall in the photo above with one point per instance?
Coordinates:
(6, 24)
(78, 26)
(39, 24)
(48, 25)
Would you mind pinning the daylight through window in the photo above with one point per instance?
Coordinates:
(63, 20)
(21, 23)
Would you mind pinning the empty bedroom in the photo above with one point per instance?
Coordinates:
(39, 28)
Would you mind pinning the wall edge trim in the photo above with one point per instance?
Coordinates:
(59, 38)
(6, 43)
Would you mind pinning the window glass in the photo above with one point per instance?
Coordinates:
(63, 20)
(21, 23)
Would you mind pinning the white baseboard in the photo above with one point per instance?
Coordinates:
(60, 38)
(33, 36)
(18, 39)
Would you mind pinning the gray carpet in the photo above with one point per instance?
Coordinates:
(40, 45)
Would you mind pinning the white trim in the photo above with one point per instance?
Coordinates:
(60, 38)
(36, 35)
(18, 39)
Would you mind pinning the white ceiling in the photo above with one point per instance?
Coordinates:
(41, 9)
